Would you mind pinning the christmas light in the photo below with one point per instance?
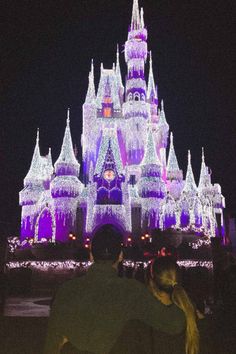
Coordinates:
(71, 264)
(125, 125)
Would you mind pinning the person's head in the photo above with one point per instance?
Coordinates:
(164, 273)
(106, 244)
(164, 277)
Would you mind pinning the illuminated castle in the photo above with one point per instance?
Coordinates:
(127, 178)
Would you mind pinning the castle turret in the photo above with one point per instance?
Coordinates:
(173, 170)
(29, 195)
(33, 176)
(66, 164)
(151, 183)
(118, 77)
(91, 96)
(89, 126)
(107, 87)
(66, 187)
(136, 110)
(135, 57)
(174, 174)
(188, 196)
(190, 184)
(204, 186)
(163, 128)
(152, 90)
(151, 186)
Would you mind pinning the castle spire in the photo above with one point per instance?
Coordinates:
(109, 141)
(150, 155)
(91, 87)
(34, 172)
(190, 185)
(142, 17)
(135, 21)
(118, 72)
(172, 164)
(203, 173)
(49, 158)
(151, 91)
(162, 115)
(66, 159)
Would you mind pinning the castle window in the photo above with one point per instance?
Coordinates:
(136, 96)
(107, 112)
(107, 100)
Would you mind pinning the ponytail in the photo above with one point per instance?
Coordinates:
(181, 299)
(164, 277)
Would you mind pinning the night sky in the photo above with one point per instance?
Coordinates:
(45, 53)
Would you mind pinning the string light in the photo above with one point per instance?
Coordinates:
(71, 264)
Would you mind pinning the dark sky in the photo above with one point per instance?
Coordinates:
(45, 53)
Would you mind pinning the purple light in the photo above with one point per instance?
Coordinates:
(127, 179)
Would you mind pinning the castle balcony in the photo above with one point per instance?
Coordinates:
(136, 64)
(116, 113)
(151, 187)
(65, 186)
(30, 195)
(135, 49)
(138, 35)
(134, 83)
(66, 169)
(135, 109)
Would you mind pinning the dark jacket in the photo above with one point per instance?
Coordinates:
(93, 310)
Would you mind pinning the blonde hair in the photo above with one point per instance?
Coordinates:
(164, 273)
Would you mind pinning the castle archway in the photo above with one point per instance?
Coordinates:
(114, 225)
(45, 227)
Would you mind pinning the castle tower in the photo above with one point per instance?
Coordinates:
(151, 185)
(29, 195)
(136, 109)
(152, 97)
(88, 143)
(66, 187)
(174, 174)
(118, 77)
(188, 196)
(108, 205)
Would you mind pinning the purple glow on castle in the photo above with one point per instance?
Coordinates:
(128, 180)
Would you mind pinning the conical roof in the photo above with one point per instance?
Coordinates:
(172, 163)
(150, 156)
(67, 155)
(91, 95)
(135, 20)
(205, 179)
(151, 91)
(118, 72)
(35, 170)
(108, 79)
(162, 120)
(47, 166)
(190, 185)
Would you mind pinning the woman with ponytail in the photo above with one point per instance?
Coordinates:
(164, 285)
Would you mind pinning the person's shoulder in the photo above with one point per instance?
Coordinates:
(72, 285)
(134, 286)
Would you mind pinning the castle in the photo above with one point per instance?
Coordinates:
(127, 178)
